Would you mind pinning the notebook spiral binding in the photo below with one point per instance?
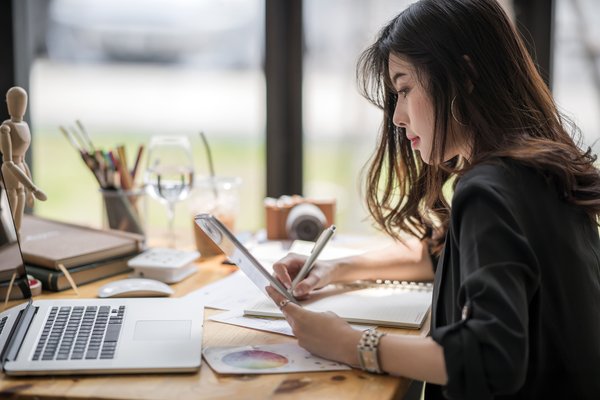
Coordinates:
(390, 284)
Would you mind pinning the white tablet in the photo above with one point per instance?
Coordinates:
(239, 255)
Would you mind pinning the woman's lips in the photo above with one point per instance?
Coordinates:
(414, 141)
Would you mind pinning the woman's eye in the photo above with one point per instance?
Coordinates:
(402, 93)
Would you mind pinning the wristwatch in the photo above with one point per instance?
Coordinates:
(368, 350)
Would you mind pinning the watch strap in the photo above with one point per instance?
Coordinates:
(368, 348)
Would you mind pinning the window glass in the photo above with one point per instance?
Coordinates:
(576, 80)
(340, 127)
(132, 69)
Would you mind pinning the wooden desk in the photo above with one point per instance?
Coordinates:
(353, 384)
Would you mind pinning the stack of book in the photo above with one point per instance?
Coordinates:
(88, 254)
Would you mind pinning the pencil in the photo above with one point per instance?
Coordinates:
(79, 139)
(113, 160)
(92, 164)
(86, 136)
(116, 167)
(70, 138)
(137, 162)
(126, 181)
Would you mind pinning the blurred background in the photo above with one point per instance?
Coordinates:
(135, 68)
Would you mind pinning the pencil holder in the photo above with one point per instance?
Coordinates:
(124, 209)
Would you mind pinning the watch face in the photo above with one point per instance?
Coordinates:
(367, 351)
(369, 357)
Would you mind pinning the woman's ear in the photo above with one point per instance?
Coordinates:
(473, 72)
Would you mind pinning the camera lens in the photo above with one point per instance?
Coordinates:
(305, 222)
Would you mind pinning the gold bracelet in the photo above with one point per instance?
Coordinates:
(368, 350)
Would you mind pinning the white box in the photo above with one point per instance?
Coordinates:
(166, 265)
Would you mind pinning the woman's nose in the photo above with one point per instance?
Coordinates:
(400, 117)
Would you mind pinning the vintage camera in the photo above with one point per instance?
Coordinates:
(294, 217)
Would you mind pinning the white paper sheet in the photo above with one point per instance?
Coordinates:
(232, 292)
(330, 252)
(236, 317)
(237, 291)
(270, 252)
(276, 325)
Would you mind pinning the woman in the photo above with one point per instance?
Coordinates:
(516, 299)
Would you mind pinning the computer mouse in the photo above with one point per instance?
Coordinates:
(135, 287)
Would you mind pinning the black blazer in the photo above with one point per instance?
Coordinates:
(516, 301)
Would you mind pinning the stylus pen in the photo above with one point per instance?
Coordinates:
(323, 239)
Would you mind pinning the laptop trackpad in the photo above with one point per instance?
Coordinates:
(162, 330)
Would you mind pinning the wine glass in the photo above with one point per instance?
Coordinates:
(169, 174)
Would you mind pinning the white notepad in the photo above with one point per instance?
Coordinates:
(397, 305)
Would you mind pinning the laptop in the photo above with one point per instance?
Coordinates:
(89, 336)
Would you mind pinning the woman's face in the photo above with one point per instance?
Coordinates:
(414, 109)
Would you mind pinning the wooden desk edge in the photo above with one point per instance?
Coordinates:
(206, 383)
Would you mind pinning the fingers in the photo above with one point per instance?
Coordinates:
(290, 311)
(283, 303)
(280, 271)
(286, 307)
(288, 267)
(274, 294)
(306, 285)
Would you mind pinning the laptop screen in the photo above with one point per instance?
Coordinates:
(12, 268)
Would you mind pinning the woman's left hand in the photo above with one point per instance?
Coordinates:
(323, 334)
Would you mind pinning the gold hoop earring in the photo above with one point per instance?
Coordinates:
(452, 112)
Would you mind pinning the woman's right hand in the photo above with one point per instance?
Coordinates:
(288, 267)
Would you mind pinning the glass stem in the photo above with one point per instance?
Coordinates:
(171, 219)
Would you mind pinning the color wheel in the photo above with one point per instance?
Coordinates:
(255, 359)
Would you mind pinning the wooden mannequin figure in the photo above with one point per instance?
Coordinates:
(15, 139)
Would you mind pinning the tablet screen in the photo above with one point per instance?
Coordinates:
(239, 255)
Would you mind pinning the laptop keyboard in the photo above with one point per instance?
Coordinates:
(80, 333)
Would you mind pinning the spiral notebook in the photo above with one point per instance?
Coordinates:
(395, 304)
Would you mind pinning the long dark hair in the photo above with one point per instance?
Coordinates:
(467, 51)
